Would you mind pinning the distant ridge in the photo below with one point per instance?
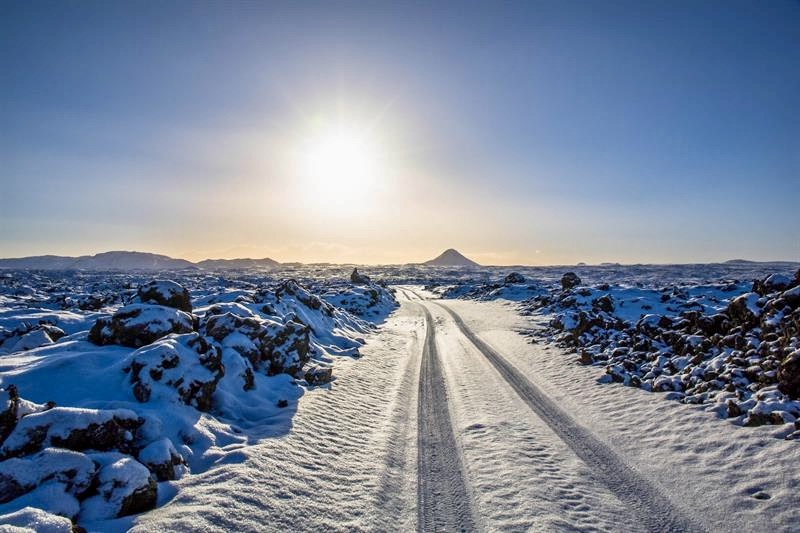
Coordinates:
(120, 260)
(238, 263)
(453, 258)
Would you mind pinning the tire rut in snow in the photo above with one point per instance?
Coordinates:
(650, 506)
(399, 461)
(443, 503)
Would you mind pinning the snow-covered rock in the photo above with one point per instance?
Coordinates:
(570, 280)
(33, 520)
(163, 460)
(269, 345)
(370, 301)
(12, 408)
(137, 325)
(183, 368)
(125, 487)
(74, 429)
(721, 344)
(167, 293)
(318, 375)
(253, 341)
(27, 337)
(74, 470)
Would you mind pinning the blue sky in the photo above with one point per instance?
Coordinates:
(517, 132)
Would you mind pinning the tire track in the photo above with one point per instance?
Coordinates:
(399, 464)
(443, 502)
(651, 507)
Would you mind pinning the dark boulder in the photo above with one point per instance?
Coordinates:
(9, 404)
(771, 284)
(318, 375)
(604, 303)
(166, 293)
(359, 279)
(789, 375)
(287, 347)
(138, 325)
(744, 310)
(570, 280)
(514, 278)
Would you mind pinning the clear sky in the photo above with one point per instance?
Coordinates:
(376, 132)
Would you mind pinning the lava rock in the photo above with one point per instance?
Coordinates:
(274, 347)
(138, 325)
(789, 375)
(318, 375)
(570, 280)
(9, 404)
(125, 487)
(358, 279)
(74, 470)
(167, 293)
(184, 367)
(771, 284)
(744, 309)
(514, 278)
(161, 458)
(74, 429)
(604, 303)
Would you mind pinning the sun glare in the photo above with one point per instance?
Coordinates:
(339, 163)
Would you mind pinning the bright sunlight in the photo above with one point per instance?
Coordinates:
(339, 162)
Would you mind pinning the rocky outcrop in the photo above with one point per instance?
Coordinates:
(74, 429)
(27, 337)
(74, 470)
(273, 347)
(184, 367)
(138, 325)
(745, 357)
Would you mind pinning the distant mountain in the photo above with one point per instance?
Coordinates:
(451, 258)
(749, 262)
(39, 262)
(102, 261)
(224, 264)
(128, 261)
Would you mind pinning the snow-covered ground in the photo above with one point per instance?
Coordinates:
(724, 476)
(469, 412)
(143, 382)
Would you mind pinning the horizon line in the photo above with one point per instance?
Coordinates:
(421, 263)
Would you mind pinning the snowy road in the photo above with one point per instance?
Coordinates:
(444, 503)
(647, 502)
(443, 427)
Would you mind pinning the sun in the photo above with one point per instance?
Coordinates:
(339, 162)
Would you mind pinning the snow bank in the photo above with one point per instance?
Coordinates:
(730, 344)
(103, 403)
